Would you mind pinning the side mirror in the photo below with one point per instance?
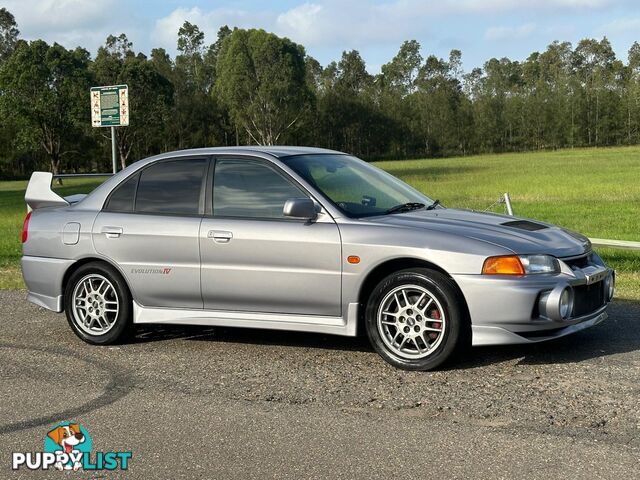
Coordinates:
(300, 208)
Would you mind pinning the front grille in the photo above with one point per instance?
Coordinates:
(577, 262)
(588, 299)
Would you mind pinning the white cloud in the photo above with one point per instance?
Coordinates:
(510, 33)
(302, 21)
(59, 14)
(349, 24)
(71, 23)
(165, 32)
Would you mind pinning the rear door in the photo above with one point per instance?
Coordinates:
(255, 259)
(149, 227)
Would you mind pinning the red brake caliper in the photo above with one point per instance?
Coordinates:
(435, 315)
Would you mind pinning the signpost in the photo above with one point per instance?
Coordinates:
(110, 108)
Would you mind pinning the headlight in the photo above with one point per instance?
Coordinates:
(539, 264)
(520, 265)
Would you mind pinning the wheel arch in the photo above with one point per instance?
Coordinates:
(83, 261)
(379, 272)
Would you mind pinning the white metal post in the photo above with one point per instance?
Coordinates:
(507, 202)
(113, 149)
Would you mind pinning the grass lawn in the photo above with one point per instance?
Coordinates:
(12, 213)
(593, 191)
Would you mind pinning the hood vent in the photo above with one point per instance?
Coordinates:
(525, 225)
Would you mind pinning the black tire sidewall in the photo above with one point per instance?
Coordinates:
(443, 288)
(123, 320)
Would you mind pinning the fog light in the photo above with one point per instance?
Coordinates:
(566, 303)
(556, 304)
(610, 286)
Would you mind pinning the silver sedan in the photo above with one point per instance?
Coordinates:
(303, 239)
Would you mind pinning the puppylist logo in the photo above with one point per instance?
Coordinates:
(68, 446)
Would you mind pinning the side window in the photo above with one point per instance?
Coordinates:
(171, 187)
(244, 188)
(122, 198)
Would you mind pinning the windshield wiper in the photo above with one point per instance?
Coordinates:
(434, 204)
(405, 207)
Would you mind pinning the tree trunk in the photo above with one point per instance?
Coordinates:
(55, 165)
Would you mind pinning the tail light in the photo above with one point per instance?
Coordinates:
(25, 227)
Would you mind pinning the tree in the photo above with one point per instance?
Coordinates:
(46, 89)
(262, 80)
(214, 49)
(198, 119)
(8, 129)
(435, 105)
(593, 63)
(402, 71)
(632, 95)
(8, 34)
(352, 75)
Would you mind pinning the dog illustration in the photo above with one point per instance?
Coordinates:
(67, 437)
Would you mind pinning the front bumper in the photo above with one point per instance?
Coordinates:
(506, 309)
(43, 277)
(486, 335)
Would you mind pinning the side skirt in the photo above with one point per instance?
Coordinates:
(272, 321)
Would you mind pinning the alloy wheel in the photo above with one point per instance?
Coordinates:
(411, 322)
(95, 304)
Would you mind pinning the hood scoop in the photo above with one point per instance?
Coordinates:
(525, 225)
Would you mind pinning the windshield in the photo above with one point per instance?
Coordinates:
(355, 187)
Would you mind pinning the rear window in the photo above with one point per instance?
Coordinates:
(122, 198)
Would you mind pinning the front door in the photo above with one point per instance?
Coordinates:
(257, 260)
(149, 228)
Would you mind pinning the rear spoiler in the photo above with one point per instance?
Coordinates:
(39, 193)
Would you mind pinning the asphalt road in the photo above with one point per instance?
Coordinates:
(231, 403)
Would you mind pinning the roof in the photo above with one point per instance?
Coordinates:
(275, 151)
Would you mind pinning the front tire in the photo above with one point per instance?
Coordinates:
(98, 304)
(415, 319)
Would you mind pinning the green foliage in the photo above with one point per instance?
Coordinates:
(43, 88)
(8, 34)
(262, 80)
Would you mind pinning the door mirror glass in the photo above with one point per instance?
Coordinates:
(300, 208)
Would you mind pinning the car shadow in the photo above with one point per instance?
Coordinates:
(255, 336)
(620, 333)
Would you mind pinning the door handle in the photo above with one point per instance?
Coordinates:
(112, 232)
(220, 236)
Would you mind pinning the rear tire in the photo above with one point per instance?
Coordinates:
(98, 304)
(415, 319)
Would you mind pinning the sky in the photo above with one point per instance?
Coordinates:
(481, 29)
